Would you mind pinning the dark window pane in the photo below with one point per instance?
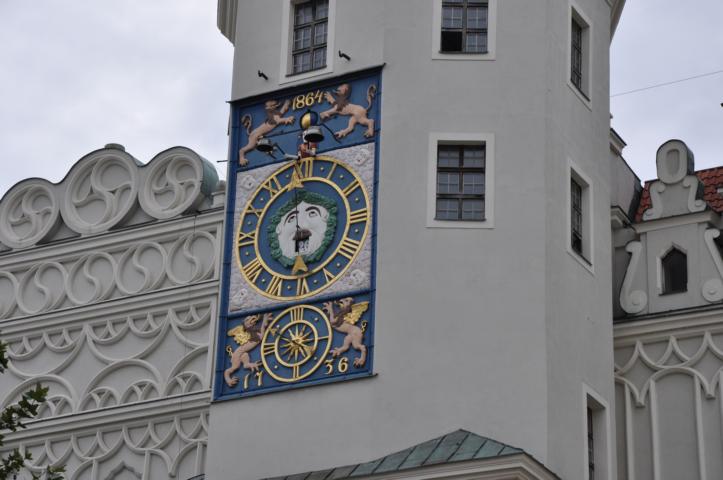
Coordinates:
(303, 13)
(473, 209)
(447, 183)
(320, 58)
(576, 216)
(451, 41)
(322, 9)
(475, 42)
(452, 17)
(675, 272)
(473, 184)
(447, 209)
(302, 38)
(448, 156)
(320, 34)
(302, 62)
(477, 17)
(474, 157)
(576, 55)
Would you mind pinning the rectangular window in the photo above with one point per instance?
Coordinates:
(579, 74)
(464, 26)
(309, 36)
(576, 217)
(460, 182)
(590, 446)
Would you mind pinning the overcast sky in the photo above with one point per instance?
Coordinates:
(151, 74)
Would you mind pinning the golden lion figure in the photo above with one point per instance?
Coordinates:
(344, 320)
(248, 336)
(274, 118)
(357, 113)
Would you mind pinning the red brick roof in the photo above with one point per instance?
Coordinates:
(712, 179)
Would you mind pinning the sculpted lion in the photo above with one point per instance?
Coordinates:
(358, 114)
(344, 320)
(274, 118)
(248, 336)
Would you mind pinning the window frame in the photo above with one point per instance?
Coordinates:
(312, 25)
(662, 274)
(464, 28)
(575, 174)
(286, 71)
(460, 170)
(440, 139)
(582, 91)
(438, 54)
(602, 443)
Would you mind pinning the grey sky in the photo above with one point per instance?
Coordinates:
(151, 74)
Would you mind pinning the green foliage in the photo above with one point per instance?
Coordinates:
(11, 418)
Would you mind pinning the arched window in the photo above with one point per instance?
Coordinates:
(675, 271)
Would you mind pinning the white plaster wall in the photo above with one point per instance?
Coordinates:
(492, 330)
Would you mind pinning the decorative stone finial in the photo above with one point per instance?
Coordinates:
(115, 146)
(674, 161)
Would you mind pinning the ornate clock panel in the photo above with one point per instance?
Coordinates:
(298, 290)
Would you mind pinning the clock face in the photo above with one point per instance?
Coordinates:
(302, 228)
(296, 343)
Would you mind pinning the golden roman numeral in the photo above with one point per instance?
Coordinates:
(328, 276)
(351, 187)
(275, 286)
(253, 269)
(302, 286)
(267, 349)
(297, 314)
(331, 171)
(295, 371)
(246, 239)
(306, 167)
(254, 211)
(349, 247)
(358, 216)
(272, 185)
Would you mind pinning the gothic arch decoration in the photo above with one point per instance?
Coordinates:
(673, 270)
(103, 191)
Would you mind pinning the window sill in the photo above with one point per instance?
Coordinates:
(668, 294)
(582, 261)
(460, 224)
(479, 57)
(583, 98)
(295, 77)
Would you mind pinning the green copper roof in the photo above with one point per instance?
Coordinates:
(454, 447)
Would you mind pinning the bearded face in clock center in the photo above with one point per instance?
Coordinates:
(311, 220)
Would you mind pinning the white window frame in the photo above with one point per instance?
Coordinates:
(583, 20)
(601, 433)
(438, 138)
(437, 54)
(286, 74)
(661, 272)
(588, 238)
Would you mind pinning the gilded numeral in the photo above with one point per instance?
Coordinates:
(246, 239)
(246, 381)
(358, 216)
(306, 167)
(329, 366)
(297, 314)
(272, 185)
(331, 171)
(364, 325)
(254, 211)
(259, 378)
(295, 371)
(328, 276)
(343, 365)
(275, 286)
(253, 269)
(267, 349)
(302, 286)
(349, 247)
(351, 187)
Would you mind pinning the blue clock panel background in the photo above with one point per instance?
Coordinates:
(298, 277)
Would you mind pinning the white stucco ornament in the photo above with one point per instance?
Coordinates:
(632, 301)
(712, 289)
(674, 161)
(101, 191)
(177, 181)
(28, 213)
